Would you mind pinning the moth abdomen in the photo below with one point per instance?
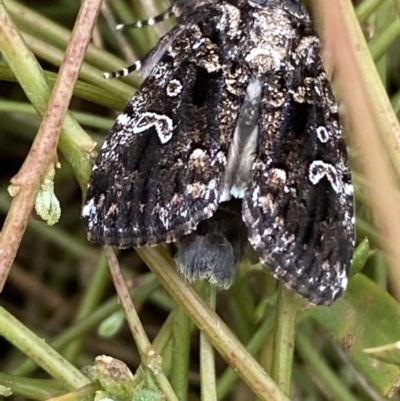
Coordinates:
(212, 251)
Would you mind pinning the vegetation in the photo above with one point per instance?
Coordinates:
(59, 309)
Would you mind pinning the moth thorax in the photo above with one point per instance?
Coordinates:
(242, 149)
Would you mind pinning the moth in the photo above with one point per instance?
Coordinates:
(234, 135)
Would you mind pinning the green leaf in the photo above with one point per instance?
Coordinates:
(366, 316)
(360, 257)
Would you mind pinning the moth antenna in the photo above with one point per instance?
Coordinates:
(125, 71)
(170, 12)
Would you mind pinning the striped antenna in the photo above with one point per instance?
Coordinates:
(124, 72)
(170, 12)
(174, 10)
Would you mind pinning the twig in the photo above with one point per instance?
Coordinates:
(212, 326)
(44, 147)
(372, 120)
(150, 359)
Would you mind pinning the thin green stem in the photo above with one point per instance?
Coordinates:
(87, 72)
(32, 389)
(207, 360)
(328, 382)
(54, 34)
(285, 320)
(91, 298)
(228, 378)
(366, 8)
(90, 120)
(43, 354)
(148, 284)
(102, 96)
(211, 325)
(382, 41)
(180, 353)
(150, 359)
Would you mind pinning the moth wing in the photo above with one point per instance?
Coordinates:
(160, 170)
(298, 205)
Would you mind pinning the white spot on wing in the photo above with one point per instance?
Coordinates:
(88, 209)
(323, 134)
(89, 212)
(123, 119)
(349, 189)
(225, 196)
(237, 192)
(162, 124)
(319, 170)
(174, 88)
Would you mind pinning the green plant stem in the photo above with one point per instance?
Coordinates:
(32, 389)
(90, 92)
(211, 325)
(149, 284)
(396, 103)
(150, 359)
(382, 41)
(241, 302)
(91, 298)
(370, 115)
(87, 72)
(383, 17)
(32, 79)
(285, 320)
(328, 382)
(228, 378)
(383, 113)
(43, 151)
(90, 120)
(207, 360)
(127, 13)
(366, 8)
(161, 342)
(44, 148)
(361, 254)
(180, 353)
(43, 354)
(42, 27)
(55, 235)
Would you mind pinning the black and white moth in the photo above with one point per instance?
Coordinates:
(235, 113)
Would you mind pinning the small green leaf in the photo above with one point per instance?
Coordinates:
(360, 257)
(110, 326)
(144, 394)
(389, 353)
(47, 205)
